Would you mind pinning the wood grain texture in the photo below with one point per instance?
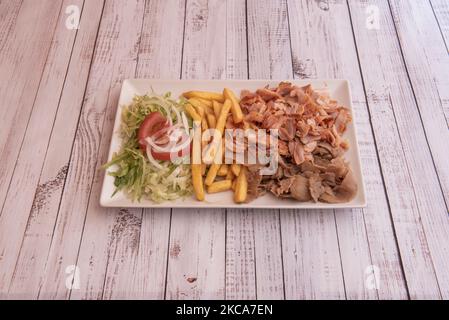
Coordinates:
(9, 11)
(136, 264)
(397, 126)
(268, 57)
(426, 59)
(240, 242)
(30, 266)
(114, 60)
(269, 45)
(441, 11)
(22, 61)
(427, 65)
(33, 151)
(196, 261)
(60, 88)
(323, 47)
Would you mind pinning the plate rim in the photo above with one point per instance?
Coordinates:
(107, 201)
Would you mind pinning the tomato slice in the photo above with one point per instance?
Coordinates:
(155, 124)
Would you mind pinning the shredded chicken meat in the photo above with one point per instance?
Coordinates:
(311, 148)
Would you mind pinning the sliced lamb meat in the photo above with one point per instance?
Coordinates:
(316, 188)
(254, 116)
(310, 145)
(342, 119)
(284, 88)
(344, 192)
(267, 94)
(255, 189)
(299, 189)
(288, 131)
(282, 188)
(297, 151)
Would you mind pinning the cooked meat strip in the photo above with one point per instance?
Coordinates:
(310, 145)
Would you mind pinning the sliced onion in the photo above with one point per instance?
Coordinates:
(171, 147)
(163, 130)
(167, 111)
(178, 116)
(185, 123)
(151, 159)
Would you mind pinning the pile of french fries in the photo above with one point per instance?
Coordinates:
(212, 111)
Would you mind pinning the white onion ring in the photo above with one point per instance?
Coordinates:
(151, 159)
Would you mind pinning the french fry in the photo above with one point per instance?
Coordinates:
(199, 107)
(212, 174)
(237, 113)
(230, 175)
(241, 187)
(217, 108)
(197, 181)
(204, 125)
(211, 120)
(223, 171)
(203, 169)
(221, 121)
(204, 95)
(235, 168)
(207, 103)
(233, 184)
(219, 186)
(197, 178)
(192, 113)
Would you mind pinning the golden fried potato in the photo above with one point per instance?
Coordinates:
(204, 95)
(192, 113)
(211, 120)
(237, 114)
(223, 171)
(221, 121)
(207, 103)
(230, 175)
(197, 181)
(241, 187)
(235, 169)
(217, 108)
(212, 174)
(219, 186)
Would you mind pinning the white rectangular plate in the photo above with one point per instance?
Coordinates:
(338, 89)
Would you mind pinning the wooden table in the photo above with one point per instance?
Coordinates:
(58, 91)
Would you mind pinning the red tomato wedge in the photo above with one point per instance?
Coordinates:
(153, 123)
(156, 126)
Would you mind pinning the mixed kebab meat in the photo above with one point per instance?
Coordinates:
(310, 146)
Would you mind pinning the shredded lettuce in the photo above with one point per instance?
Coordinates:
(133, 173)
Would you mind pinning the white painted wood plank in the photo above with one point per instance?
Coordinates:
(196, 264)
(32, 154)
(22, 61)
(240, 246)
(441, 11)
(113, 61)
(14, 212)
(428, 66)
(365, 236)
(268, 57)
(136, 266)
(30, 265)
(321, 40)
(9, 11)
(426, 58)
(240, 255)
(402, 146)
